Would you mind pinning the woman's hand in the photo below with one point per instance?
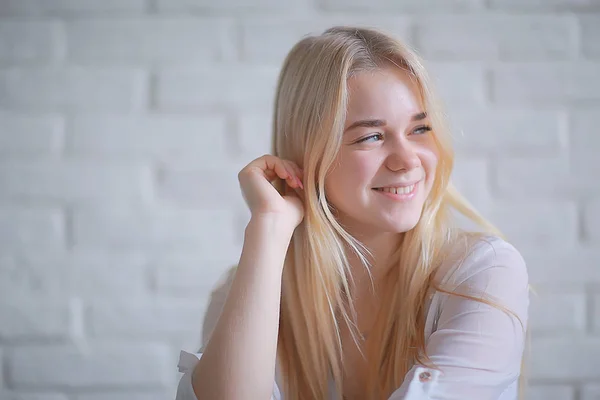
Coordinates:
(263, 199)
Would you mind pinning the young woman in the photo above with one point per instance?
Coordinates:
(355, 280)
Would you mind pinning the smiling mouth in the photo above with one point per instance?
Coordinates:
(397, 190)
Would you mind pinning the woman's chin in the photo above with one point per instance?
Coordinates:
(400, 225)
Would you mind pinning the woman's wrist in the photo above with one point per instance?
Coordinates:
(273, 226)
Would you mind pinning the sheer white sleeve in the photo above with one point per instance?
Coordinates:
(477, 347)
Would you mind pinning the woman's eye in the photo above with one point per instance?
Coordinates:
(370, 138)
(421, 130)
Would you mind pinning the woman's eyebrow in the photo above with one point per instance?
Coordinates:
(367, 123)
(420, 116)
(374, 123)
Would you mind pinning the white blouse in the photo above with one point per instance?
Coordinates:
(477, 347)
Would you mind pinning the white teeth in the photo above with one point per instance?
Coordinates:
(398, 190)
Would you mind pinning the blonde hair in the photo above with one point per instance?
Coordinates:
(308, 122)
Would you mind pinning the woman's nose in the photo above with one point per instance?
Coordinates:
(403, 157)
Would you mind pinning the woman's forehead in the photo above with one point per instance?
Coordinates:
(383, 91)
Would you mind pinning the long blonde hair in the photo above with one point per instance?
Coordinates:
(308, 122)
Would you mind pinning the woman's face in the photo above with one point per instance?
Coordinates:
(386, 164)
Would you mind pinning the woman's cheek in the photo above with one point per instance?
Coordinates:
(429, 157)
(365, 166)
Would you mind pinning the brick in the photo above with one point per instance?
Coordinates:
(544, 5)
(591, 219)
(231, 5)
(168, 40)
(590, 392)
(527, 223)
(516, 176)
(201, 188)
(30, 134)
(550, 392)
(3, 376)
(517, 38)
(508, 131)
(555, 266)
(129, 395)
(541, 177)
(39, 274)
(459, 85)
(583, 147)
(94, 273)
(545, 84)
(582, 138)
(471, 178)
(184, 275)
(212, 88)
(29, 228)
(91, 365)
(596, 313)
(69, 7)
(565, 358)
(11, 395)
(585, 164)
(590, 31)
(73, 89)
(201, 230)
(75, 181)
(24, 317)
(26, 42)
(555, 313)
(402, 5)
(283, 33)
(155, 319)
(167, 139)
(255, 134)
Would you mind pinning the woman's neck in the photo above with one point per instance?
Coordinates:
(381, 246)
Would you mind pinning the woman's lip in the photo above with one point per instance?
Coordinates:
(400, 197)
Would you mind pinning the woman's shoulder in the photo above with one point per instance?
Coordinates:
(473, 254)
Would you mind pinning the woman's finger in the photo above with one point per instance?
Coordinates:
(297, 172)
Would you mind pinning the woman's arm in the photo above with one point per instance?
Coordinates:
(238, 361)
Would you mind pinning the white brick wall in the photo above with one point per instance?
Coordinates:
(150, 41)
(123, 124)
(215, 88)
(519, 38)
(30, 134)
(72, 89)
(143, 363)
